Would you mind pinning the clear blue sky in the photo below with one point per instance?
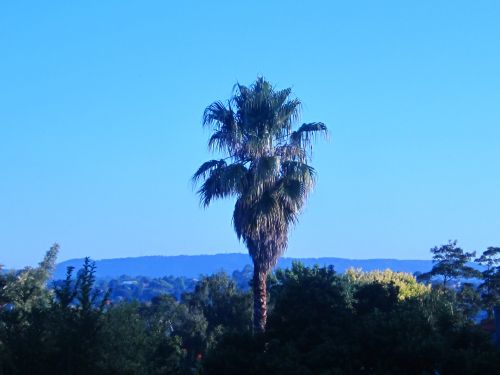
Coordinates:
(100, 122)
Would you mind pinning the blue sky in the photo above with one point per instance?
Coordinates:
(100, 123)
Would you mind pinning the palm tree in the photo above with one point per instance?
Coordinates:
(266, 169)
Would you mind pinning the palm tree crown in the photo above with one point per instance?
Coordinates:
(266, 167)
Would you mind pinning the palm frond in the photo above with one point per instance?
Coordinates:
(286, 115)
(224, 141)
(263, 226)
(297, 170)
(265, 170)
(291, 152)
(292, 192)
(216, 113)
(305, 134)
(223, 181)
(205, 169)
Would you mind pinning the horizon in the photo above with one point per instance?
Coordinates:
(211, 264)
(59, 261)
(101, 124)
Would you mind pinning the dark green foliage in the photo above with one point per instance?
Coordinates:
(237, 353)
(321, 323)
(375, 296)
(469, 300)
(139, 339)
(75, 329)
(224, 307)
(75, 322)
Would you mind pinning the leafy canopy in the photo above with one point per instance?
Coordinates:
(407, 284)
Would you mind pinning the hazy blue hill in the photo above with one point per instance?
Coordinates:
(195, 265)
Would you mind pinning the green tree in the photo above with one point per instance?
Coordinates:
(407, 284)
(76, 319)
(140, 339)
(224, 307)
(265, 168)
(181, 324)
(450, 263)
(24, 299)
(468, 300)
(490, 288)
(26, 289)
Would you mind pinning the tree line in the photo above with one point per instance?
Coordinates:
(320, 322)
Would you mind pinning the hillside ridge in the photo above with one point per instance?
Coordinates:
(196, 265)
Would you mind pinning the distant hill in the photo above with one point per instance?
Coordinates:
(195, 265)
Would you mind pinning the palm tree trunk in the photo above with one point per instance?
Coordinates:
(259, 299)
